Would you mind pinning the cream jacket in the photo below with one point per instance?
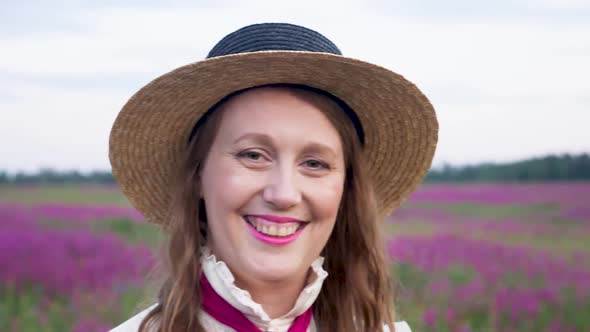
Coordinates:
(222, 280)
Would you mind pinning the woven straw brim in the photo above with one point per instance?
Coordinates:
(151, 131)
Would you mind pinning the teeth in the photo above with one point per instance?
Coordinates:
(273, 230)
(282, 231)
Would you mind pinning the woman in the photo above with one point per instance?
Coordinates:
(270, 167)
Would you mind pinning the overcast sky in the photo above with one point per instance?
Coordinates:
(508, 79)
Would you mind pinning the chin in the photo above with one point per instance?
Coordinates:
(274, 269)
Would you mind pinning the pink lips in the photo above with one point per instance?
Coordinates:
(274, 240)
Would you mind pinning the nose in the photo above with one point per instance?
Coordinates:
(282, 190)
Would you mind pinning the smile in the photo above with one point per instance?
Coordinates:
(273, 232)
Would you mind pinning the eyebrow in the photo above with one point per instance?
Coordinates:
(267, 140)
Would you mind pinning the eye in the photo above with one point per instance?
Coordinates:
(316, 164)
(251, 155)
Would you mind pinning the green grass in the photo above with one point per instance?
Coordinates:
(563, 246)
(501, 211)
(486, 211)
(68, 194)
(30, 310)
(418, 228)
(132, 231)
(26, 310)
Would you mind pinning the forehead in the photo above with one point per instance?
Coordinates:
(278, 113)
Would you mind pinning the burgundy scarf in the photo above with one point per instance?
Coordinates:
(225, 313)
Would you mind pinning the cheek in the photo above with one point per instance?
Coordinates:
(225, 192)
(226, 188)
(325, 198)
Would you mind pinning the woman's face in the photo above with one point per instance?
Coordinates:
(272, 184)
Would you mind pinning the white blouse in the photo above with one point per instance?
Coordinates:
(222, 280)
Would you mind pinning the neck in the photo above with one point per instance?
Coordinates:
(275, 297)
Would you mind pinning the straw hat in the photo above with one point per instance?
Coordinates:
(394, 119)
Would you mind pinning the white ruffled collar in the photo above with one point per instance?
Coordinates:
(222, 280)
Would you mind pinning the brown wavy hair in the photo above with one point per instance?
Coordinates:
(358, 294)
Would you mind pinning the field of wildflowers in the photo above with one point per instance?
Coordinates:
(472, 257)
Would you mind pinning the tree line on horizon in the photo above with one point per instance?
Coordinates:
(549, 168)
(564, 167)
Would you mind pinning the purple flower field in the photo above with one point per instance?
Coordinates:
(564, 194)
(476, 257)
(512, 286)
(494, 257)
(48, 264)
